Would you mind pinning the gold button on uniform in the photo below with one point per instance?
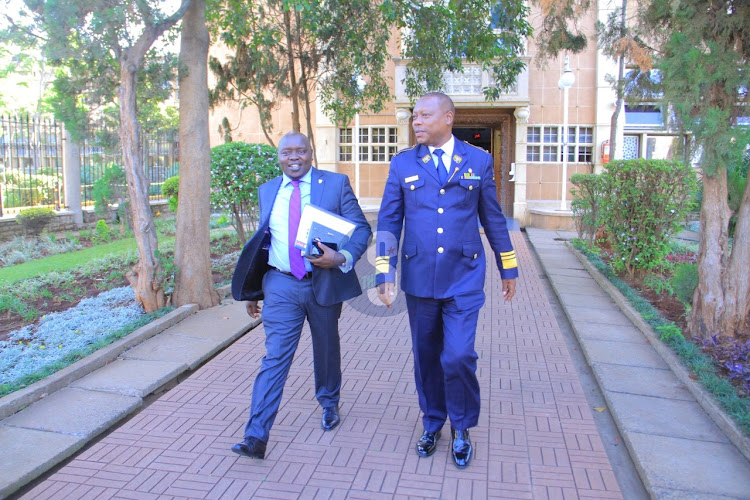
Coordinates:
(442, 191)
(470, 187)
(440, 230)
(440, 250)
(440, 210)
(412, 187)
(475, 256)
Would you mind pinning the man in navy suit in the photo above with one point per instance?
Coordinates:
(436, 190)
(293, 288)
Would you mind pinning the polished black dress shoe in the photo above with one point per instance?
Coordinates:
(461, 447)
(427, 444)
(251, 447)
(330, 418)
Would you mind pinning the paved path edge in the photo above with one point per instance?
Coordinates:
(704, 398)
(21, 399)
(18, 400)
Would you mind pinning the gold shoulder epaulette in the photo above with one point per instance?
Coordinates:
(404, 150)
(480, 149)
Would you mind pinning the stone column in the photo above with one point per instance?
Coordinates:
(519, 165)
(402, 119)
(72, 177)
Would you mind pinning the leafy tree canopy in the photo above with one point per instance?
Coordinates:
(335, 50)
(85, 40)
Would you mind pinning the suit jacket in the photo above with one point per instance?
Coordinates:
(442, 250)
(330, 191)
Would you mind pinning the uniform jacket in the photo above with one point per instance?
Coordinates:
(442, 252)
(330, 191)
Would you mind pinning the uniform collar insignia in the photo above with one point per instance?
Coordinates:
(457, 159)
(426, 158)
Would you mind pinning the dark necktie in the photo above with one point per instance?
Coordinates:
(296, 263)
(441, 171)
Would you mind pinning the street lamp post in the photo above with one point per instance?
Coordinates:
(360, 88)
(566, 81)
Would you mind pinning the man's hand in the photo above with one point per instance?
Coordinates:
(253, 308)
(330, 258)
(387, 293)
(509, 289)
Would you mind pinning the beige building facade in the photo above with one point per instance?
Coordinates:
(523, 129)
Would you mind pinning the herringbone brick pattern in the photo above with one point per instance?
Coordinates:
(536, 437)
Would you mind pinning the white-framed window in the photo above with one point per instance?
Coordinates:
(545, 144)
(376, 144)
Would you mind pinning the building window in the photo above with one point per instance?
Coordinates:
(630, 147)
(376, 144)
(345, 144)
(545, 144)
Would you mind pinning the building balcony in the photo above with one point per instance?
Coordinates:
(467, 87)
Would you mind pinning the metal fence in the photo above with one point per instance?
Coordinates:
(31, 166)
(30, 163)
(101, 150)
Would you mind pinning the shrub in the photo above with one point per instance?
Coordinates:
(658, 284)
(237, 169)
(586, 205)
(22, 190)
(684, 281)
(645, 201)
(111, 189)
(103, 232)
(170, 189)
(35, 219)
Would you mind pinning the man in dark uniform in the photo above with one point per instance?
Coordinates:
(435, 191)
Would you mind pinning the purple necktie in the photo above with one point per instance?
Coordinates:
(296, 263)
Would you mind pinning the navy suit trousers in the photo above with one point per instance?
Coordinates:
(288, 301)
(445, 362)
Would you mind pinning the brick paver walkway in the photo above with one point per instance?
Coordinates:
(536, 437)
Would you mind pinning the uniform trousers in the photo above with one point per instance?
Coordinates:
(288, 301)
(445, 362)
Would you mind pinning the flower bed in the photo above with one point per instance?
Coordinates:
(59, 335)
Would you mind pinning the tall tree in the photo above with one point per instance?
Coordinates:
(439, 37)
(700, 51)
(703, 56)
(105, 45)
(193, 279)
(307, 50)
(286, 49)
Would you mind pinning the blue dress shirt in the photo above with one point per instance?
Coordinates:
(278, 254)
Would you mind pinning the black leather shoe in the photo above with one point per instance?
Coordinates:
(427, 444)
(330, 418)
(251, 447)
(461, 447)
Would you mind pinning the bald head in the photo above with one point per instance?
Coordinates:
(445, 102)
(295, 155)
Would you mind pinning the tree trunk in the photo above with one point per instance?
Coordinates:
(618, 89)
(305, 85)
(192, 256)
(709, 305)
(145, 276)
(737, 303)
(293, 84)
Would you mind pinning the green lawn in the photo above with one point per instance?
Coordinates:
(70, 260)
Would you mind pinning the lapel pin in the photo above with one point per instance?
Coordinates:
(426, 158)
(457, 158)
